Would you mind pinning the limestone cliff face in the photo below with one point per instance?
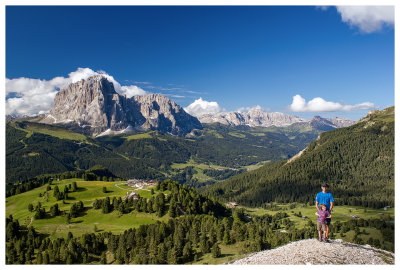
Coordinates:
(165, 115)
(92, 106)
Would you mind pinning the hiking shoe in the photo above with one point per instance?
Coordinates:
(325, 240)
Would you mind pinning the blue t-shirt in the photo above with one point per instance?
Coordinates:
(325, 198)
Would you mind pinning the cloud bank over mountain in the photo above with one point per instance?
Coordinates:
(26, 96)
(200, 107)
(318, 104)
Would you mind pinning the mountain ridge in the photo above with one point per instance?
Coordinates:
(92, 106)
(257, 117)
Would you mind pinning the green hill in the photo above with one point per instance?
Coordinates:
(217, 153)
(358, 163)
(88, 192)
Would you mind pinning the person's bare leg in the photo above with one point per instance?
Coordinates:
(327, 232)
(320, 234)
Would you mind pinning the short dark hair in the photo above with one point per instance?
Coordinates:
(325, 185)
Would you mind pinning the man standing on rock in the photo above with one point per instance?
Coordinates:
(326, 198)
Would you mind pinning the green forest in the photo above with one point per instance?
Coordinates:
(33, 149)
(357, 162)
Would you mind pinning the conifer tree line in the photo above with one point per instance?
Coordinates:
(180, 240)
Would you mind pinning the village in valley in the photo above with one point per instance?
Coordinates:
(138, 184)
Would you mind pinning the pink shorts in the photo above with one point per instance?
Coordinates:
(321, 226)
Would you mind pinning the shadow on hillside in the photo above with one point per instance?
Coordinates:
(226, 255)
(76, 221)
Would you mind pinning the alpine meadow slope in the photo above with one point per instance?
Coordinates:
(357, 162)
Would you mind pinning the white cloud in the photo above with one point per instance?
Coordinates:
(318, 104)
(174, 96)
(257, 107)
(323, 7)
(26, 96)
(367, 18)
(200, 107)
(132, 90)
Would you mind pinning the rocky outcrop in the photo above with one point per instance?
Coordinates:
(310, 252)
(163, 114)
(92, 106)
(342, 122)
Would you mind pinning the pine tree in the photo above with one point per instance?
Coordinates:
(74, 186)
(172, 208)
(227, 238)
(56, 191)
(46, 259)
(188, 252)
(216, 251)
(204, 245)
(103, 259)
(172, 257)
(39, 258)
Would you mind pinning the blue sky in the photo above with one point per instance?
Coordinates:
(237, 57)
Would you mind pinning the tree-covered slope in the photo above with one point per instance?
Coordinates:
(358, 163)
(33, 149)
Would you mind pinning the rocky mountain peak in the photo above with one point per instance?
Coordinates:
(92, 106)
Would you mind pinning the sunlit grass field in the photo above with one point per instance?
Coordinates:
(87, 192)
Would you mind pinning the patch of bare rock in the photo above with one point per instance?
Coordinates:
(311, 251)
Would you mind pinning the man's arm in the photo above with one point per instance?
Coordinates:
(330, 208)
(316, 205)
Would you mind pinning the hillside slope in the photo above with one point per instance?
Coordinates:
(309, 252)
(357, 161)
(35, 148)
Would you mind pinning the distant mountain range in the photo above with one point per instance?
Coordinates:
(256, 117)
(93, 107)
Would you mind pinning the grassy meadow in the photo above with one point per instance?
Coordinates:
(87, 192)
